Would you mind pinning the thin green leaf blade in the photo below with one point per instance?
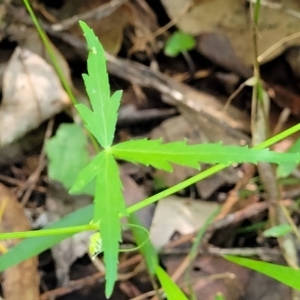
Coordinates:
(171, 289)
(278, 231)
(286, 275)
(161, 155)
(97, 85)
(31, 247)
(109, 205)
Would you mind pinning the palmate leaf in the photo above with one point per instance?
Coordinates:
(101, 120)
(109, 204)
(160, 155)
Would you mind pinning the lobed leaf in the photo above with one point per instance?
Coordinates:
(109, 204)
(161, 155)
(101, 120)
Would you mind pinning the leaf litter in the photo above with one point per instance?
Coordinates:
(210, 133)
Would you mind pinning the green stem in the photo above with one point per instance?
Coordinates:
(130, 210)
(146, 202)
(176, 188)
(207, 173)
(280, 136)
(47, 232)
(51, 53)
(152, 199)
(57, 68)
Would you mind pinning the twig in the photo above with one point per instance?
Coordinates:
(277, 45)
(208, 109)
(97, 13)
(265, 254)
(19, 183)
(175, 20)
(34, 177)
(89, 280)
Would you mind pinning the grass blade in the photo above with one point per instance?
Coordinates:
(147, 250)
(286, 275)
(171, 289)
(34, 246)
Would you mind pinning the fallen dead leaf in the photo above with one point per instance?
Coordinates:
(186, 216)
(211, 275)
(32, 93)
(29, 39)
(109, 29)
(232, 18)
(261, 287)
(209, 44)
(21, 281)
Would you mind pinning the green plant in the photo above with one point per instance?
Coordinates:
(280, 216)
(109, 205)
(285, 170)
(286, 275)
(179, 42)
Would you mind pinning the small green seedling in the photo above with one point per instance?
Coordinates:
(179, 42)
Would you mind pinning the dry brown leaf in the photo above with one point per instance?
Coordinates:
(32, 93)
(21, 281)
(33, 42)
(185, 217)
(109, 29)
(232, 18)
(210, 275)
